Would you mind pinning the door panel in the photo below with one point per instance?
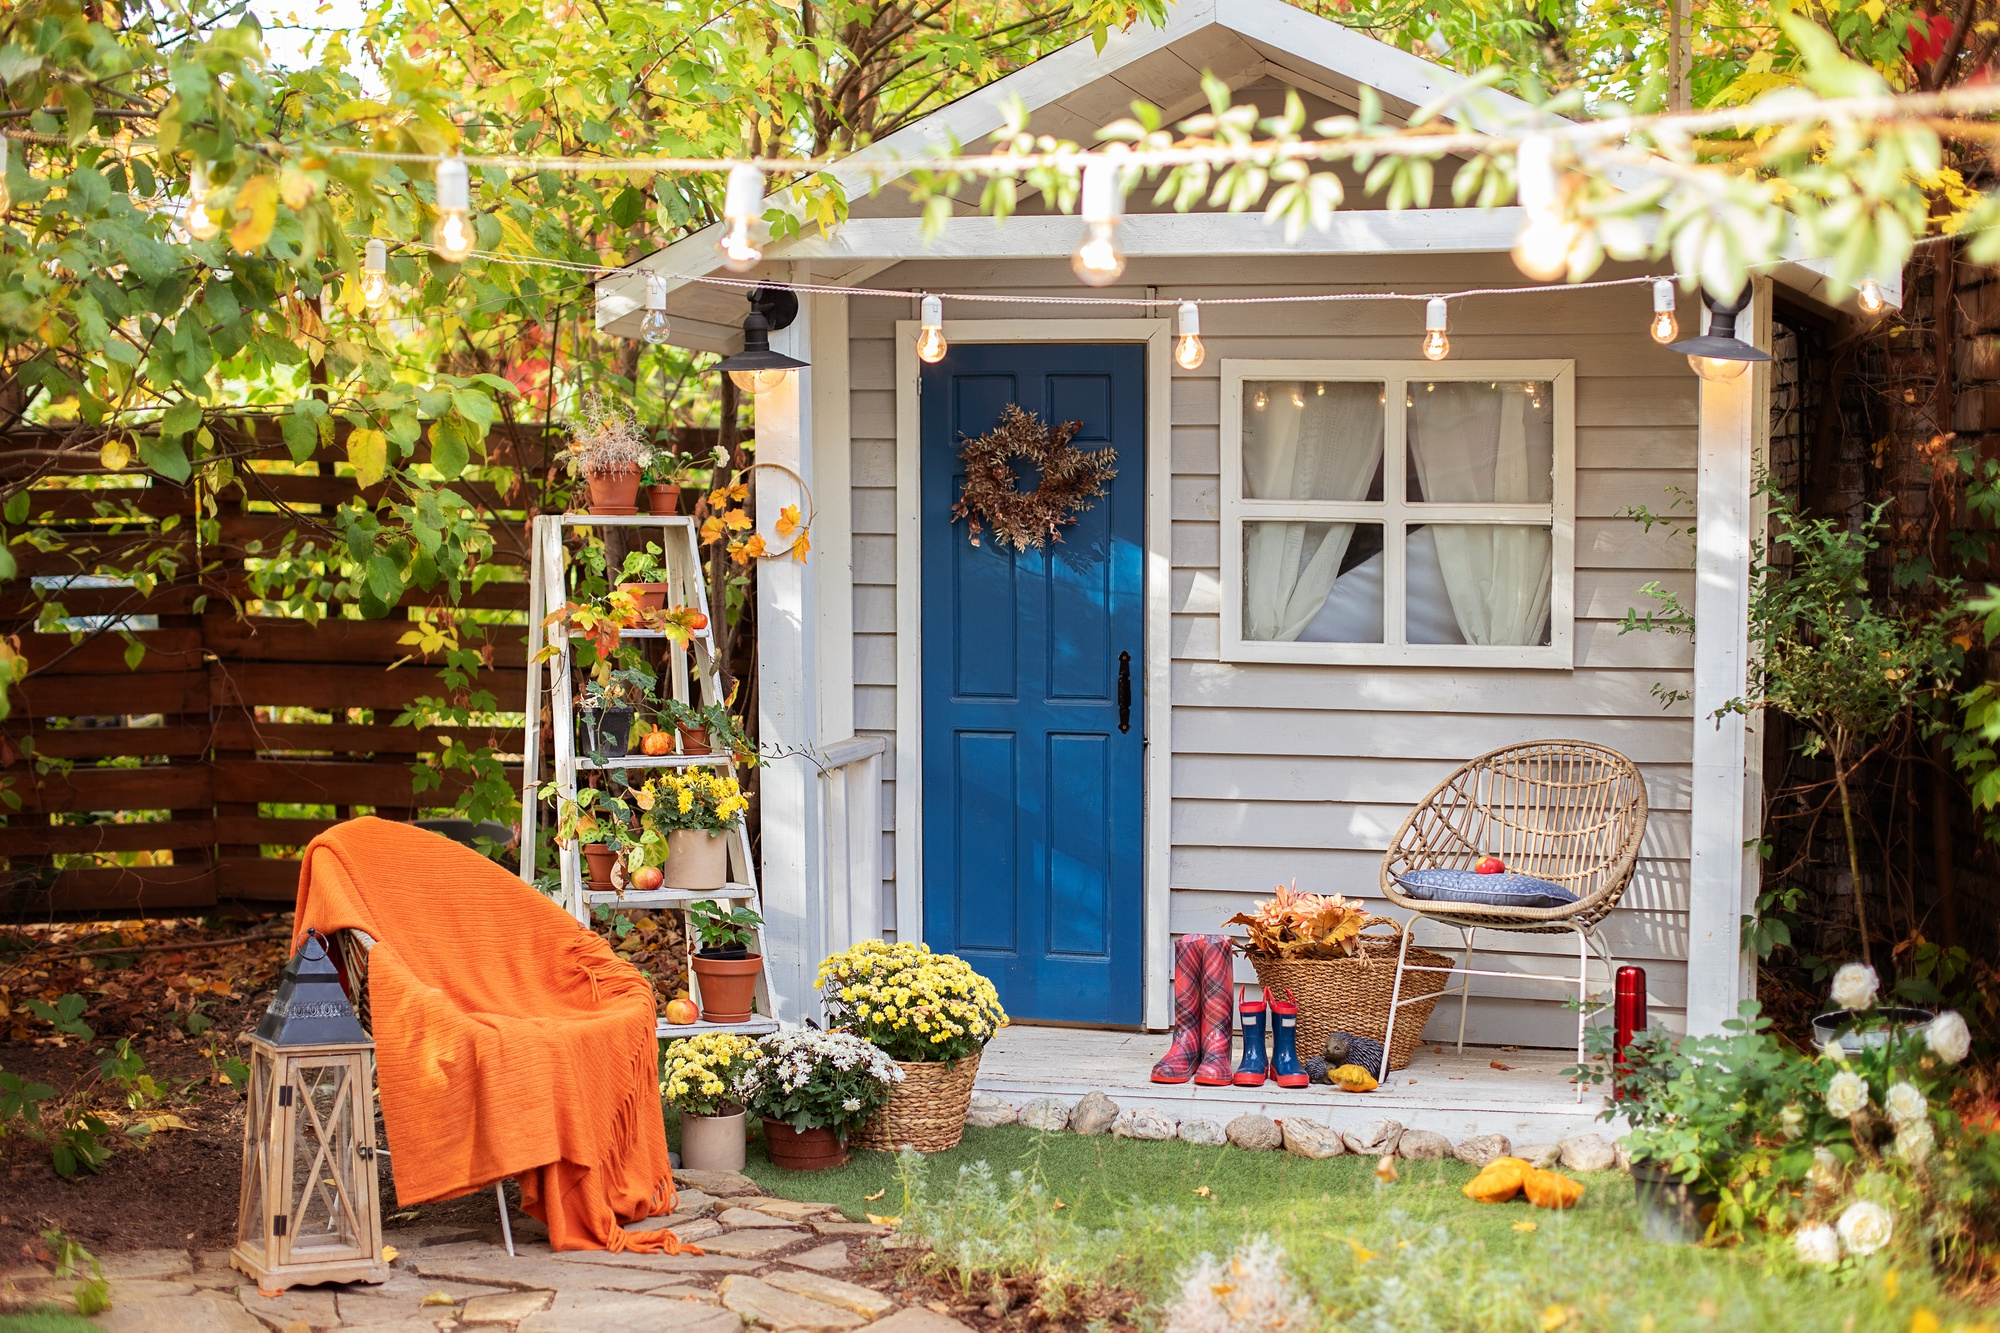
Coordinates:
(1033, 805)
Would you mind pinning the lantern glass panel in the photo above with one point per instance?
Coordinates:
(328, 1208)
(256, 1146)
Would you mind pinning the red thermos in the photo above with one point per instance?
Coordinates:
(1629, 1015)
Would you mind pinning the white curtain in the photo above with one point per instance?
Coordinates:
(1302, 443)
(1472, 443)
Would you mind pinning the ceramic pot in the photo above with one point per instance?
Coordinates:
(713, 1142)
(694, 740)
(598, 860)
(728, 987)
(606, 732)
(696, 859)
(615, 489)
(1671, 1211)
(1884, 1021)
(646, 596)
(802, 1149)
(663, 501)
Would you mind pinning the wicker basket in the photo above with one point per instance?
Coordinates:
(926, 1110)
(1351, 995)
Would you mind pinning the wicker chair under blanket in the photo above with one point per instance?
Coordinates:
(1569, 812)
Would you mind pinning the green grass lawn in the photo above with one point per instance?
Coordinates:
(47, 1319)
(1416, 1254)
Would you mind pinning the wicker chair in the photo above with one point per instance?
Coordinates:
(1566, 811)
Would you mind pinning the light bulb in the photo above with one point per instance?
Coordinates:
(200, 223)
(1188, 351)
(742, 208)
(1543, 247)
(1717, 368)
(1099, 261)
(1869, 298)
(453, 238)
(653, 328)
(375, 275)
(757, 381)
(931, 345)
(1664, 329)
(1436, 345)
(1261, 402)
(1535, 174)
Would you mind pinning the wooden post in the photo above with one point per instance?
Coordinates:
(1680, 56)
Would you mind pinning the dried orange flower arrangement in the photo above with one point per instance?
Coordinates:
(1303, 925)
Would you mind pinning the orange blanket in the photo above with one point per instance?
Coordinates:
(509, 1040)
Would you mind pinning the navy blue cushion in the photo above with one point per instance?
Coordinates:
(1463, 886)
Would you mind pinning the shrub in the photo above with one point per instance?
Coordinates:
(818, 1080)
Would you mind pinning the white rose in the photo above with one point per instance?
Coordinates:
(1817, 1246)
(1906, 1104)
(1914, 1142)
(1846, 1094)
(1948, 1037)
(1823, 1177)
(1854, 986)
(1792, 1121)
(1865, 1227)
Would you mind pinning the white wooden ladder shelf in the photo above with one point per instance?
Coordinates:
(548, 591)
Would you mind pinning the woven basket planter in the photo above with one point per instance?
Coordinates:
(1351, 995)
(926, 1111)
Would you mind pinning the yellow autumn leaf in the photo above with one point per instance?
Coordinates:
(802, 544)
(1923, 1321)
(885, 1221)
(750, 548)
(737, 521)
(788, 520)
(1524, 1226)
(711, 530)
(437, 1298)
(368, 451)
(114, 455)
(296, 188)
(1555, 1317)
(163, 1120)
(876, 1195)
(1362, 1254)
(644, 798)
(389, 1253)
(256, 209)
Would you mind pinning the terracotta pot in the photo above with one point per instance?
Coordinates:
(615, 489)
(802, 1149)
(647, 596)
(598, 860)
(694, 740)
(663, 501)
(1671, 1211)
(713, 1142)
(696, 859)
(728, 987)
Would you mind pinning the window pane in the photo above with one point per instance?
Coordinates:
(1483, 583)
(1312, 440)
(1482, 442)
(1312, 582)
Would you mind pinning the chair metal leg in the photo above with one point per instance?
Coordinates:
(1582, 993)
(506, 1223)
(1395, 994)
(1465, 984)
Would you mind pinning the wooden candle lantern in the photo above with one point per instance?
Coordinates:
(309, 1211)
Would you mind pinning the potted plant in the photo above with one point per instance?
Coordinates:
(701, 1077)
(812, 1088)
(929, 1012)
(643, 578)
(606, 705)
(693, 809)
(607, 450)
(708, 729)
(596, 821)
(665, 474)
(724, 967)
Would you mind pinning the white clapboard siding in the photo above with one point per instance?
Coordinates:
(1283, 772)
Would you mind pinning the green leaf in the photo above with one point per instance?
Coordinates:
(17, 507)
(135, 653)
(181, 418)
(165, 457)
(301, 434)
(449, 451)
(384, 579)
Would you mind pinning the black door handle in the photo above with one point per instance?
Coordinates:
(1124, 691)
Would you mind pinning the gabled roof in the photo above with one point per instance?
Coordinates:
(1071, 94)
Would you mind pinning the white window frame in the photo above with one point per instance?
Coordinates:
(1396, 513)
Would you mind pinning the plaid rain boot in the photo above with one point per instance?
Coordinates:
(1218, 1013)
(1250, 1074)
(1286, 1071)
(1177, 1066)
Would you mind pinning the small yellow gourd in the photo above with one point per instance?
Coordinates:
(1498, 1181)
(1546, 1189)
(1352, 1078)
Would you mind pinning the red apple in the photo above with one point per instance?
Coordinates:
(647, 878)
(682, 1012)
(1490, 865)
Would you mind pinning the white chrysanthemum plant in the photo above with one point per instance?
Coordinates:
(810, 1079)
(1249, 1293)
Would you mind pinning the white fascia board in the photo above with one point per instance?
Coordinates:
(1812, 278)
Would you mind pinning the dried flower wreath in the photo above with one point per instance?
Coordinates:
(1071, 479)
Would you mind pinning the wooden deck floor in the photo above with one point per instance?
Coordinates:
(1530, 1101)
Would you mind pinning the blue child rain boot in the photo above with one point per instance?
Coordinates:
(1286, 1071)
(1250, 1074)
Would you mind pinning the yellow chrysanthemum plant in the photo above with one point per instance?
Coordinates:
(686, 798)
(703, 1074)
(914, 1004)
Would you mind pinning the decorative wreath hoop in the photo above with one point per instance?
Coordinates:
(1071, 479)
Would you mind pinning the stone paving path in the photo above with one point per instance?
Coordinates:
(768, 1262)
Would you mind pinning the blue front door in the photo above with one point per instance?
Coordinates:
(1032, 768)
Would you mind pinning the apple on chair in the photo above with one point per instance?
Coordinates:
(1490, 865)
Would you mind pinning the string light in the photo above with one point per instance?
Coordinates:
(375, 274)
(931, 345)
(1436, 345)
(1869, 298)
(1098, 261)
(454, 237)
(1261, 402)
(742, 209)
(1188, 351)
(1543, 248)
(1665, 328)
(200, 223)
(653, 328)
